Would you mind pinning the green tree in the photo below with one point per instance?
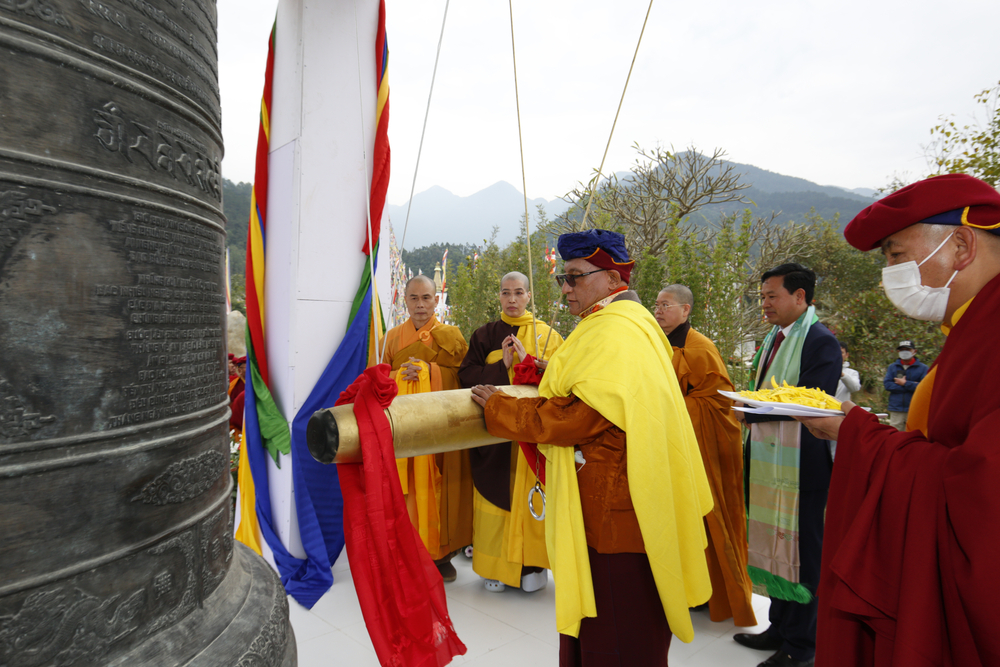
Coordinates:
(972, 149)
(474, 293)
(662, 189)
(722, 263)
(425, 258)
(237, 292)
(872, 327)
(236, 199)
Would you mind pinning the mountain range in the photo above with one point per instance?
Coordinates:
(439, 216)
(442, 217)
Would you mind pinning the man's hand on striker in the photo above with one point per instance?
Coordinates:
(482, 392)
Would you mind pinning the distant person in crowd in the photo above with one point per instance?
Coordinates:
(909, 564)
(237, 379)
(425, 355)
(850, 382)
(789, 469)
(901, 380)
(237, 385)
(508, 543)
(236, 331)
(850, 379)
(626, 489)
(701, 373)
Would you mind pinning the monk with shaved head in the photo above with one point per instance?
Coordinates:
(425, 355)
(701, 373)
(508, 544)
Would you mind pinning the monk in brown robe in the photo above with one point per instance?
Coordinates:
(626, 491)
(702, 373)
(425, 355)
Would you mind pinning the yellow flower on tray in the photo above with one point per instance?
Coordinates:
(813, 398)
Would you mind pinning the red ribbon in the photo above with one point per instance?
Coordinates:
(527, 373)
(399, 587)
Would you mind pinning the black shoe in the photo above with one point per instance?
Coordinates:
(762, 642)
(447, 570)
(782, 659)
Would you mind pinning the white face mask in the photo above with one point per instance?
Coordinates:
(914, 299)
(905, 354)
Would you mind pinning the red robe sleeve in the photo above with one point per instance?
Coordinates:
(910, 550)
(236, 419)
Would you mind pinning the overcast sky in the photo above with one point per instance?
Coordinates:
(837, 93)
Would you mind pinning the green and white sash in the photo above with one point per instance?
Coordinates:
(773, 513)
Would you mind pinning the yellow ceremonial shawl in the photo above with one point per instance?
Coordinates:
(524, 334)
(435, 493)
(426, 478)
(617, 361)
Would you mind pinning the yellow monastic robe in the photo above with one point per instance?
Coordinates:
(701, 374)
(438, 486)
(506, 541)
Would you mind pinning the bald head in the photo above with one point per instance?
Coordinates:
(516, 276)
(681, 293)
(514, 294)
(421, 299)
(419, 278)
(673, 307)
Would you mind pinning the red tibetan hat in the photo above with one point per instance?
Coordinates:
(951, 199)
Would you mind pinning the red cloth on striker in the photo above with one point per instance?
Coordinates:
(399, 587)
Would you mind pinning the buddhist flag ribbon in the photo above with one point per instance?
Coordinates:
(318, 503)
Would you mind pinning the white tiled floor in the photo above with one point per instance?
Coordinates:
(499, 629)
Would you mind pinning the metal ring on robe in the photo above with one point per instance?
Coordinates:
(537, 488)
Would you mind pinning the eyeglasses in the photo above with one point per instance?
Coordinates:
(661, 307)
(572, 277)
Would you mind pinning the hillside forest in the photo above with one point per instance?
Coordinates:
(659, 206)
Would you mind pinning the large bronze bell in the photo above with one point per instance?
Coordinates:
(115, 512)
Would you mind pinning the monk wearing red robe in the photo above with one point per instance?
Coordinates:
(701, 374)
(911, 550)
(236, 387)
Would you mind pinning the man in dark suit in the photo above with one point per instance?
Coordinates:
(787, 466)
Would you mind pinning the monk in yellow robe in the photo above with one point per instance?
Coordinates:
(425, 355)
(701, 374)
(508, 543)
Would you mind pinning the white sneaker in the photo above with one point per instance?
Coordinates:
(495, 586)
(535, 581)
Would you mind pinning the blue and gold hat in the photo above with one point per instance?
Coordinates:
(602, 248)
